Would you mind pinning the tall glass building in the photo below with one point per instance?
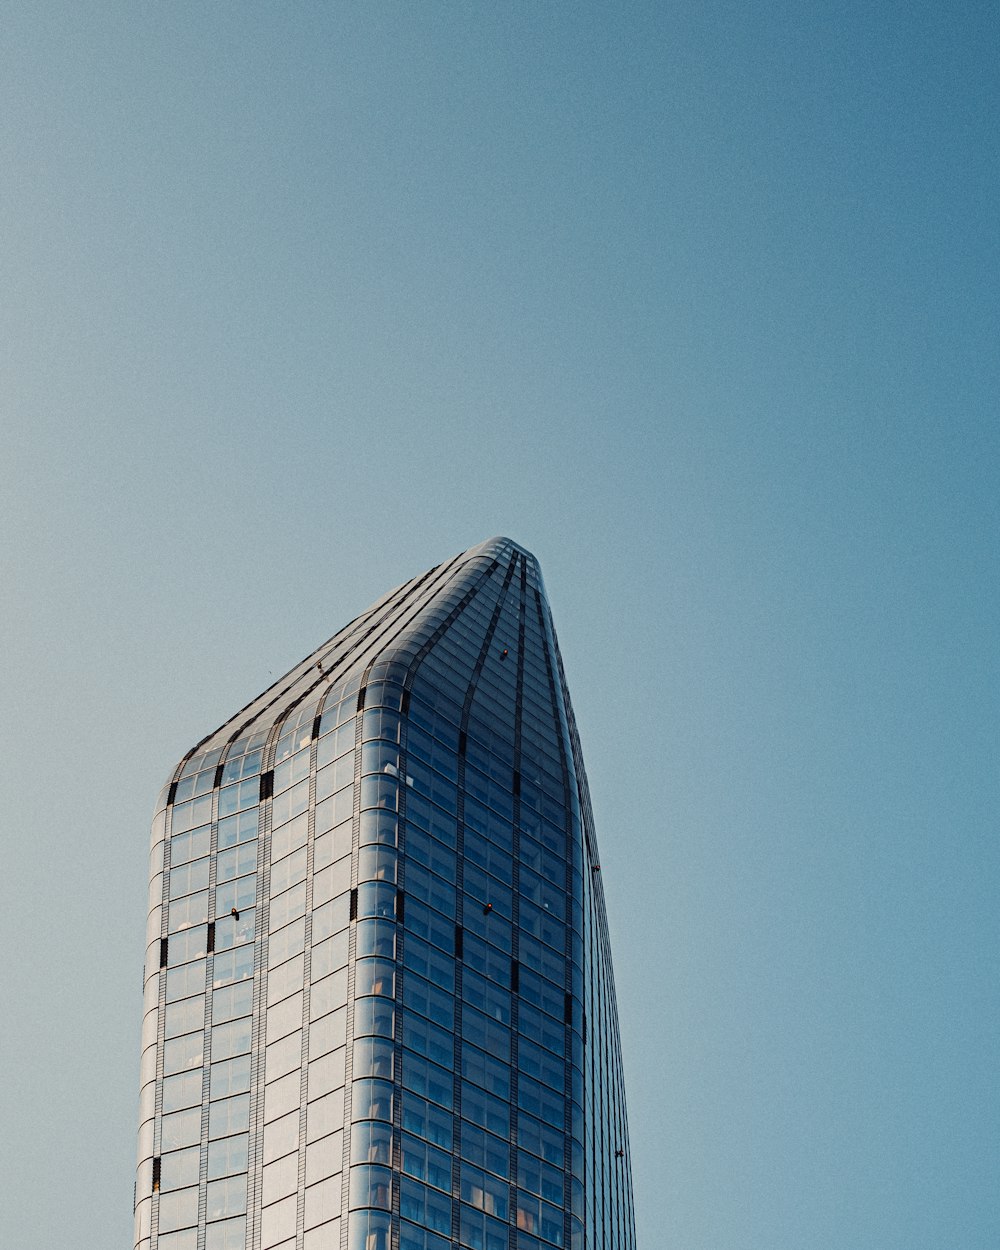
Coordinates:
(379, 1011)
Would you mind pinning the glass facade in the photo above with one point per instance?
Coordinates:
(379, 1010)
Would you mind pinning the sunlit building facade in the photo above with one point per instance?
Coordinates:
(379, 1011)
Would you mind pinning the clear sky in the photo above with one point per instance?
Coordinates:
(697, 301)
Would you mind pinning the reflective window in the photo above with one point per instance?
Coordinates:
(235, 829)
(228, 1156)
(179, 1169)
(188, 846)
(424, 1206)
(183, 1128)
(371, 1186)
(177, 1210)
(229, 1115)
(371, 1143)
(484, 1149)
(487, 1193)
(227, 1235)
(227, 1197)
(183, 1090)
(230, 1039)
(426, 1163)
(230, 1077)
(188, 878)
(183, 1053)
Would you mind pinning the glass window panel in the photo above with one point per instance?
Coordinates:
(332, 845)
(330, 956)
(189, 878)
(184, 1017)
(327, 1073)
(288, 906)
(185, 1240)
(187, 815)
(484, 1149)
(335, 810)
(541, 1139)
(413, 1238)
(242, 795)
(376, 937)
(424, 1206)
(227, 1235)
(282, 1096)
(229, 1115)
(285, 1018)
(333, 880)
(368, 1230)
(323, 1202)
(280, 1179)
(291, 770)
(427, 1079)
(236, 829)
(179, 1169)
(375, 976)
(183, 1128)
(183, 1090)
(428, 1000)
(328, 994)
(230, 1039)
(228, 1156)
(426, 1163)
(281, 1137)
(236, 862)
(283, 1056)
(487, 1193)
(191, 944)
(232, 1001)
(240, 766)
(371, 1100)
(429, 1039)
(227, 1197)
(191, 845)
(232, 1076)
(373, 1056)
(183, 1053)
(291, 803)
(335, 777)
(485, 1110)
(283, 981)
(329, 1032)
(326, 1115)
(286, 942)
(278, 1222)
(325, 1158)
(482, 1231)
(289, 837)
(241, 894)
(486, 1071)
(379, 827)
(185, 912)
(234, 930)
(334, 744)
(232, 965)
(288, 871)
(371, 1142)
(177, 1210)
(370, 1186)
(426, 1120)
(187, 980)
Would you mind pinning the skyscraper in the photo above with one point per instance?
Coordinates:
(379, 1011)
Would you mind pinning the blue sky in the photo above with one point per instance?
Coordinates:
(699, 303)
